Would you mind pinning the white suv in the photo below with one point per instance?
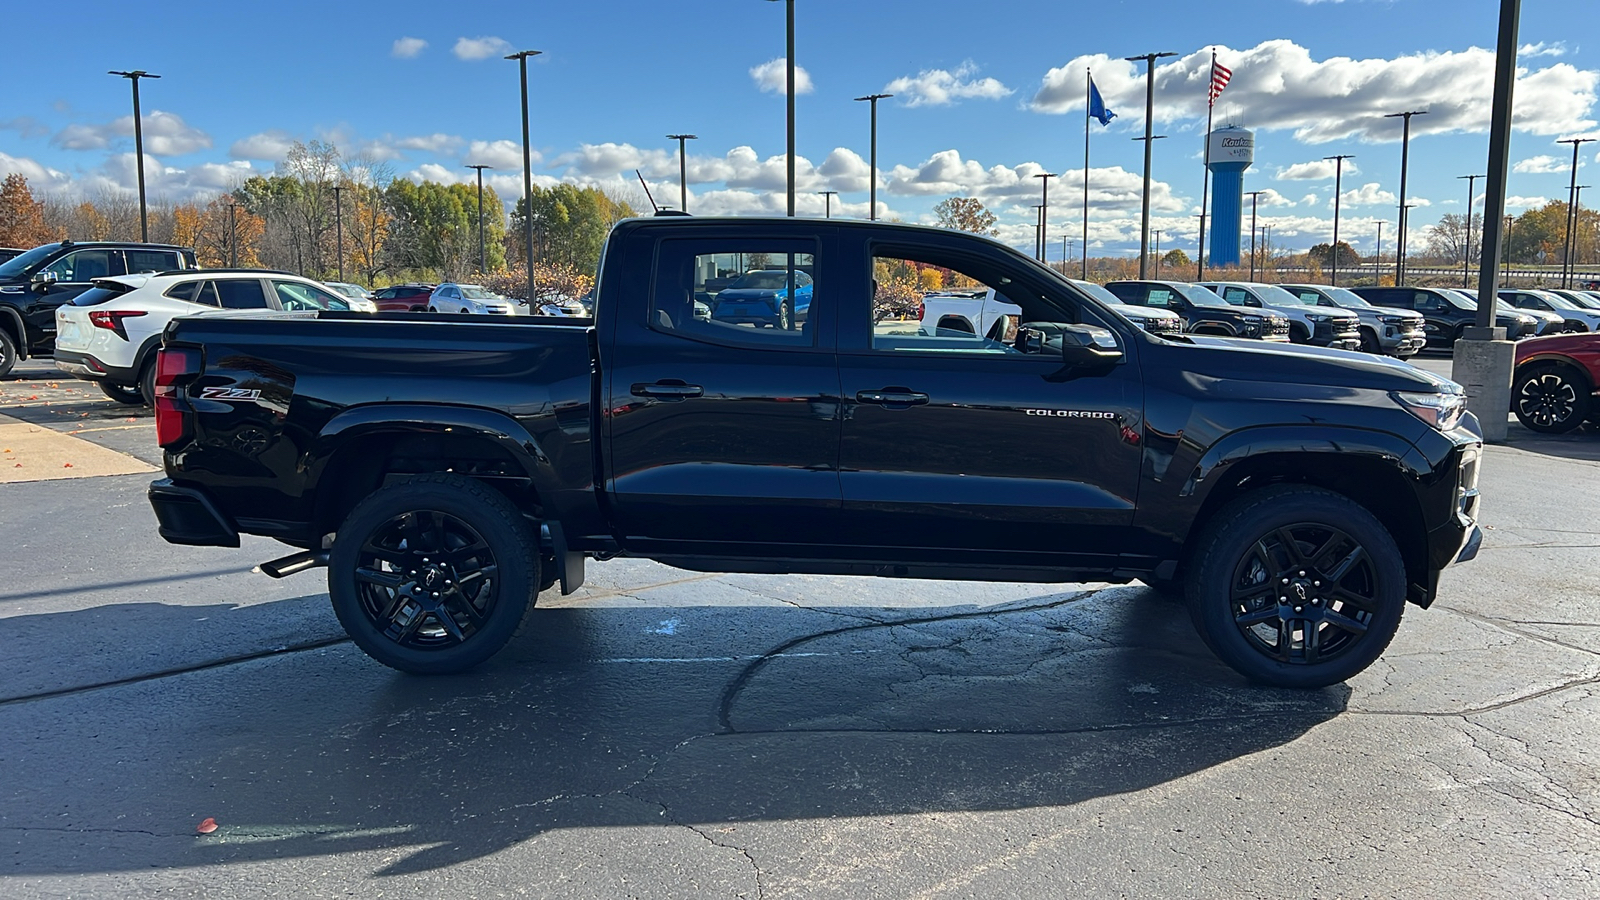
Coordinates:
(473, 299)
(110, 333)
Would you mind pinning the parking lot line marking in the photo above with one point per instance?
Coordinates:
(36, 453)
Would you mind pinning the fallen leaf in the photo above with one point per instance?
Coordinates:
(66, 465)
(206, 827)
(17, 466)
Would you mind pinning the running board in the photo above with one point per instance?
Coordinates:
(295, 562)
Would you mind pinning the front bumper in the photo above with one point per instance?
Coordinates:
(188, 516)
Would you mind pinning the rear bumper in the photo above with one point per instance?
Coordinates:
(89, 368)
(188, 516)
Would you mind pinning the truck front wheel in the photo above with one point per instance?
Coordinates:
(1296, 586)
(434, 574)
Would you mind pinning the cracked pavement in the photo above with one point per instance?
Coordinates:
(669, 734)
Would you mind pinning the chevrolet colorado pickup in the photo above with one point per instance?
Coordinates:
(447, 469)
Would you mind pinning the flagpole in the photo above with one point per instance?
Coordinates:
(1205, 184)
(1088, 87)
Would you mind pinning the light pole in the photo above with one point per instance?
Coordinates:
(1466, 250)
(788, 58)
(1201, 248)
(1577, 207)
(1506, 256)
(138, 146)
(1405, 155)
(1038, 231)
(1254, 197)
(233, 235)
(1378, 264)
(827, 203)
(338, 225)
(1044, 211)
(1066, 252)
(683, 169)
(872, 189)
(1338, 188)
(1157, 233)
(1572, 211)
(1149, 114)
(521, 57)
(483, 265)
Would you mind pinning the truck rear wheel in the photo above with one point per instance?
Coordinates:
(434, 574)
(1296, 586)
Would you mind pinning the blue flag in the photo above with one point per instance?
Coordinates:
(1097, 105)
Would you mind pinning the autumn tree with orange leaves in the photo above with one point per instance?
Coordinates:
(21, 217)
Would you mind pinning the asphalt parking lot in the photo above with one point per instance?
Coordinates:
(664, 733)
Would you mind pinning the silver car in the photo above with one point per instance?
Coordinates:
(1394, 332)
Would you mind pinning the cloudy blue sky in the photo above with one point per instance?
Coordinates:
(987, 96)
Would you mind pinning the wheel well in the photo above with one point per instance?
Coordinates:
(1299, 333)
(1379, 487)
(368, 462)
(955, 323)
(10, 327)
(1577, 371)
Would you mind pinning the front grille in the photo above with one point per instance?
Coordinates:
(1162, 326)
(1275, 326)
(1336, 330)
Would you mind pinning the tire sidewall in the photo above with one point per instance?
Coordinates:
(8, 353)
(510, 539)
(1580, 405)
(1244, 522)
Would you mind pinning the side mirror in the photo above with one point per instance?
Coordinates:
(1080, 346)
(1173, 303)
(42, 280)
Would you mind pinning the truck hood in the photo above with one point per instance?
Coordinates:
(1300, 364)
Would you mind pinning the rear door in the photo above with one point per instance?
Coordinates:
(723, 437)
(961, 448)
(74, 273)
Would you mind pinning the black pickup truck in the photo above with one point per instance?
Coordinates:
(449, 469)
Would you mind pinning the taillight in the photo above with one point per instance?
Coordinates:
(112, 319)
(921, 308)
(173, 364)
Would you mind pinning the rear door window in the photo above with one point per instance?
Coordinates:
(152, 260)
(296, 297)
(240, 293)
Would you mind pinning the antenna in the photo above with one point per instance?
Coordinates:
(646, 187)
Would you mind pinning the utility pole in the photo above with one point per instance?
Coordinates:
(1379, 263)
(1254, 197)
(1466, 250)
(338, 225)
(483, 255)
(1044, 211)
(1157, 233)
(683, 169)
(872, 189)
(788, 58)
(1570, 239)
(1149, 115)
(1338, 188)
(527, 166)
(1577, 207)
(827, 201)
(1405, 154)
(1038, 231)
(138, 147)
(233, 235)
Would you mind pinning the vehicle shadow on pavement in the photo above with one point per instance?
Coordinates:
(711, 718)
(1582, 444)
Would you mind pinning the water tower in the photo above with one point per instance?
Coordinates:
(1232, 150)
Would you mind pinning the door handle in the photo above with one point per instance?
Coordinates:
(667, 390)
(892, 397)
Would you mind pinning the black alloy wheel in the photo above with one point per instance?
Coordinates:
(434, 574)
(129, 394)
(1550, 399)
(1297, 586)
(8, 353)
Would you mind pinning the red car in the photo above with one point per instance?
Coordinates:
(403, 298)
(1553, 389)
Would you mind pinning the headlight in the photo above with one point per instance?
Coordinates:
(1392, 320)
(1317, 317)
(1442, 411)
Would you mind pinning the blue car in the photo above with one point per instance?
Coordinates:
(761, 297)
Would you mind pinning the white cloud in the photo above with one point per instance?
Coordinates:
(408, 48)
(430, 143)
(39, 176)
(500, 154)
(946, 174)
(773, 77)
(1542, 165)
(1309, 200)
(1315, 170)
(472, 49)
(1277, 85)
(1370, 194)
(941, 87)
(1525, 202)
(268, 146)
(1554, 48)
(1270, 197)
(166, 134)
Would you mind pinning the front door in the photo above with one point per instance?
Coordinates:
(723, 411)
(962, 448)
(73, 273)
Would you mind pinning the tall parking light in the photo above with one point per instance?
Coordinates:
(872, 189)
(788, 59)
(1405, 154)
(1254, 197)
(827, 203)
(527, 165)
(338, 228)
(1466, 249)
(683, 168)
(1149, 139)
(1338, 187)
(138, 146)
(483, 265)
(1044, 211)
(1570, 240)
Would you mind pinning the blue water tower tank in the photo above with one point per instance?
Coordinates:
(1232, 150)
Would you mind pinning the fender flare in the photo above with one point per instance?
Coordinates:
(20, 331)
(1558, 359)
(1343, 440)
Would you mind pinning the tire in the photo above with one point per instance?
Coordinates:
(1261, 543)
(147, 382)
(387, 555)
(785, 316)
(1299, 334)
(432, 310)
(129, 394)
(8, 353)
(1550, 399)
(1369, 342)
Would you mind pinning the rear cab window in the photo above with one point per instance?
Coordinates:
(740, 291)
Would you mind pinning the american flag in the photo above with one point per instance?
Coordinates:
(1220, 76)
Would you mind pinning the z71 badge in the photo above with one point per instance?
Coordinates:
(222, 393)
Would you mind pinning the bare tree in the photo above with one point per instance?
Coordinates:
(314, 167)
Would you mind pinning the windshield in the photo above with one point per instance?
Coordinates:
(20, 264)
(1347, 298)
(1556, 300)
(1096, 291)
(473, 292)
(1585, 300)
(1462, 299)
(1272, 295)
(760, 281)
